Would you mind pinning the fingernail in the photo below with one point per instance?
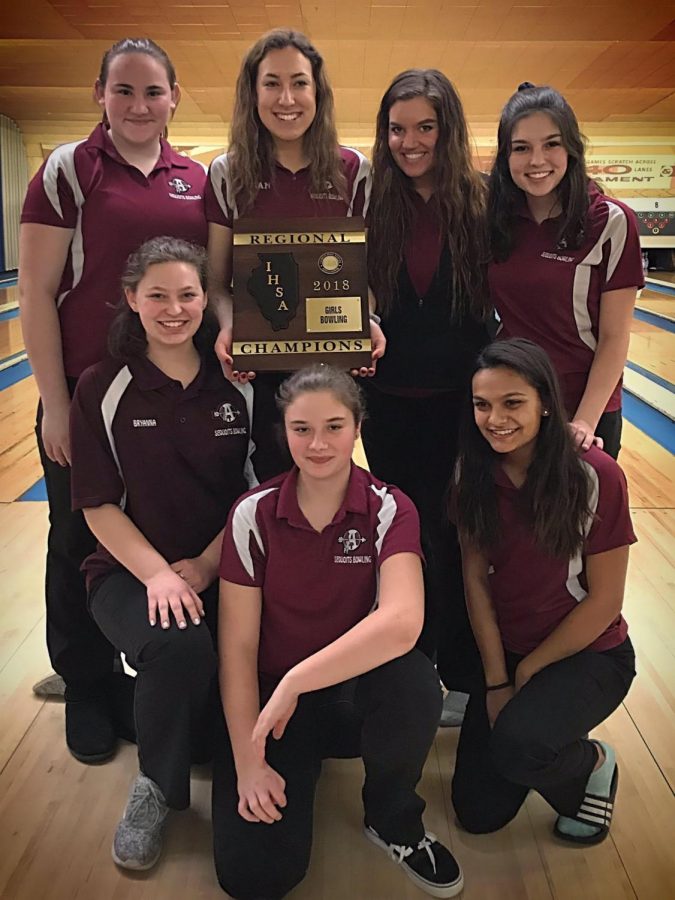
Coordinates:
(182, 625)
(152, 622)
(165, 624)
(196, 620)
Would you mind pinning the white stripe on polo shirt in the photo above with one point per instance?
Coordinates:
(363, 174)
(616, 232)
(62, 159)
(244, 525)
(385, 516)
(109, 405)
(576, 563)
(220, 175)
(246, 390)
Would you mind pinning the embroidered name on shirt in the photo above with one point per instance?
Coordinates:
(352, 560)
(144, 423)
(223, 432)
(557, 257)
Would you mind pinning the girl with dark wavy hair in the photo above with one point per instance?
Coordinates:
(545, 532)
(284, 160)
(566, 262)
(426, 261)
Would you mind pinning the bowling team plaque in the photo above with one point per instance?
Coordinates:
(300, 294)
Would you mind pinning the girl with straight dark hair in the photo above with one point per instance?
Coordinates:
(566, 261)
(545, 532)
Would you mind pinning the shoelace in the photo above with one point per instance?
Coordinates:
(399, 851)
(144, 809)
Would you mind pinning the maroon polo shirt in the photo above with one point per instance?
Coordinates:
(173, 459)
(112, 208)
(288, 193)
(315, 586)
(532, 592)
(551, 295)
(423, 244)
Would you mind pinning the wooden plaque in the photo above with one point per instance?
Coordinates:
(300, 294)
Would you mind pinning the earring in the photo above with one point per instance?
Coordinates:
(544, 412)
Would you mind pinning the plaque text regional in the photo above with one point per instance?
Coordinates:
(300, 294)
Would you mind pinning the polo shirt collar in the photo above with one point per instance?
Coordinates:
(277, 165)
(502, 480)
(355, 501)
(168, 158)
(149, 377)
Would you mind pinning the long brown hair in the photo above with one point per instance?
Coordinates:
(459, 195)
(251, 152)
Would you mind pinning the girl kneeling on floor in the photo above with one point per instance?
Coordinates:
(320, 608)
(545, 534)
(161, 446)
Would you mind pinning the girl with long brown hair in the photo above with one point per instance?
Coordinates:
(426, 255)
(284, 160)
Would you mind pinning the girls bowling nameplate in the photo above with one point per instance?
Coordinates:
(300, 294)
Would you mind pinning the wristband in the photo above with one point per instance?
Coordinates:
(497, 687)
(374, 318)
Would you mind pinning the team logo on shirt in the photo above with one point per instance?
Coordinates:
(329, 194)
(226, 412)
(179, 186)
(181, 190)
(351, 540)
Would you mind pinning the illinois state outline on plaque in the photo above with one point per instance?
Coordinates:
(274, 286)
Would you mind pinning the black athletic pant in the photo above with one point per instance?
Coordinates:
(174, 701)
(388, 716)
(539, 738)
(77, 649)
(609, 429)
(411, 442)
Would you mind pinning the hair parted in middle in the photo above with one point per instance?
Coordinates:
(251, 150)
(126, 337)
(555, 498)
(459, 195)
(319, 377)
(504, 197)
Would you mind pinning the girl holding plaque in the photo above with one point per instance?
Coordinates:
(426, 261)
(566, 260)
(321, 602)
(284, 160)
(545, 533)
(91, 204)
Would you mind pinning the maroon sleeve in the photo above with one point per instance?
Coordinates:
(612, 526)
(242, 558)
(216, 205)
(50, 199)
(398, 527)
(624, 260)
(95, 479)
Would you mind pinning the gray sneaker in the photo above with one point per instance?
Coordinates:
(138, 839)
(50, 686)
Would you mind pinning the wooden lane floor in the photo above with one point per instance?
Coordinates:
(59, 816)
